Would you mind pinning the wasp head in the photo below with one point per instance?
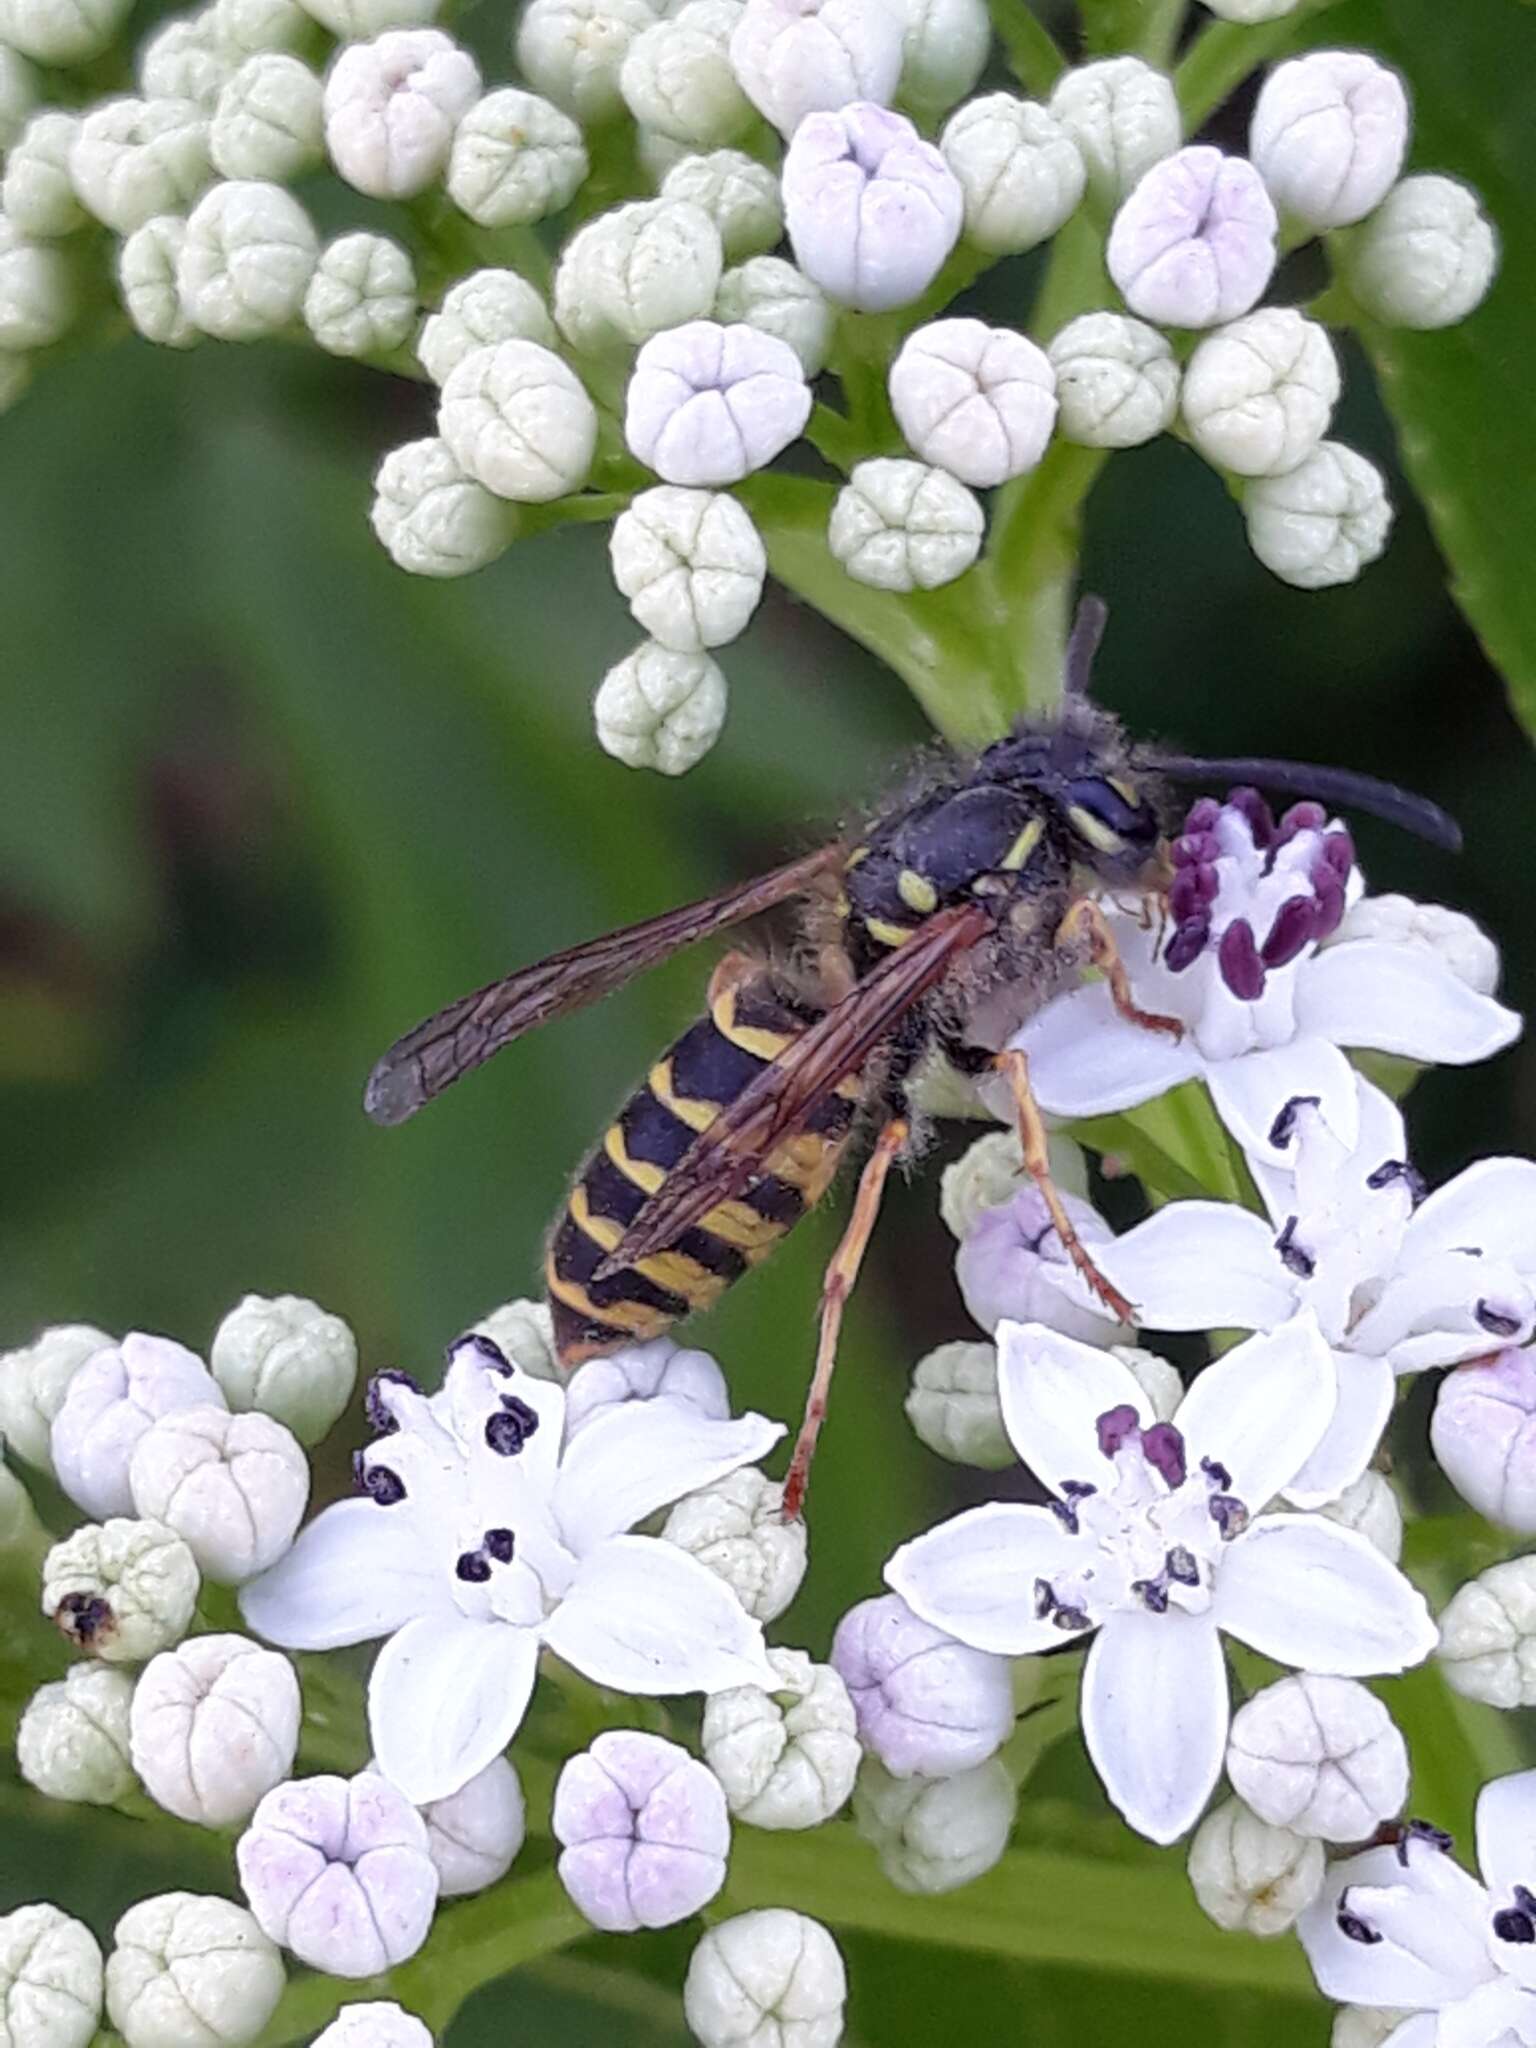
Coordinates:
(1105, 808)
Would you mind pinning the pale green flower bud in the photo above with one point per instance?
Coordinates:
(247, 27)
(120, 1589)
(786, 1758)
(1117, 383)
(935, 1834)
(991, 1171)
(186, 59)
(943, 50)
(1250, 1877)
(1321, 1756)
(214, 1726)
(637, 271)
(486, 307)
(1157, 1379)
(50, 1979)
(954, 1409)
(1426, 258)
(1258, 395)
(361, 300)
(659, 709)
(233, 1487)
(1248, 12)
(1366, 2026)
(474, 1835)
(267, 123)
(1371, 1509)
(1122, 115)
(769, 1979)
(35, 1379)
(740, 195)
(573, 50)
(903, 526)
(61, 31)
(133, 159)
(519, 421)
(524, 1332)
(1488, 1635)
(677, 77)
(977, 401)
(288, 1358)
(37, 194)
(375, 2024)
(737, 1528)
(19, 94)
(432, 518)
(780, 301)
(1021, 174)
(245, 265)
(190, 1970)
(38, 291)
(691, 564)
(1322, 522)
(72, 1740)
(1450, 935)
(515, 158)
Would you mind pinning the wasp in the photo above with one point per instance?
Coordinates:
(937, 927)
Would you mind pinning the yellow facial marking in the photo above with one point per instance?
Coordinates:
(1122, 787)
(1094, 830)
(1023, 846)
(885, 933)
(917, 892)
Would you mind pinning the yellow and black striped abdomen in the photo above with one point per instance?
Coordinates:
(749, 1025)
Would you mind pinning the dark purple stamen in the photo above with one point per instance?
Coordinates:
(1045, 1599)
(1153, 1594)
(1237, 955)
(1076, 1489)
(1204, 815)
(1339, 853)
(1514, 1924)
(485, 1349)
(1071, 1618)
(1181, 1567)
(1497, 1322)
(1391, 1171)
(1163, 1448)
(1187, 944)
(1294, 1257)
(1432, 1837)
(379, 1419)
(510, 1428)
(1525, 1900)
(500, 1543)
(85, 1617)
(473, 1568)
(1353, 1928)
(1065, 1513)
(1328, 905)
(1116, 1427)
(377, 1481)
(1217, 1474)
(1283, 1129)
(1261, 819)
(1293, 929)
(1229, 1515)
(1302, 817)
(1192, 891)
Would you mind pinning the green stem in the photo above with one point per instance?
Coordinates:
(1034, 57)
(1224, 54)
(1032, 564)
(1146, 28)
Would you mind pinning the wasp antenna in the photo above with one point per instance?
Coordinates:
(1083, 644)
(1401, 807)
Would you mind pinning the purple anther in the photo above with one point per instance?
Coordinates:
(1188, 894)
(1514, 1924)
(1328, 905)
(377, 1481)
(1391, 1171)
(485, 1349)
(1261, 819)
(1076, 1489)
(85, 1617)
(1071, 1618)
(1338, 851)
(1152, 1593)
(1181, 1567)
(1237, 955)
(510, 1427)
(1498, 1322)
(378, 1417)
(1187, 944)
(473, 1567)
(1294, 1257)
(1292, 930)
(1433, 1838)
(1302, 817)
(1229, 1515)
(1283, 1129)
(1116, 1427)
(1353, 1928)
(1524, 1899)
(1217, 1474)
(1163, 1448)
(499, 1545)
(1065, 1513)
(1045, 1599)
(1204, 815)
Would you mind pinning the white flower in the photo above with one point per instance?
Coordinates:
(50, 1979)
(1265, 1011)
(927, 1705)
(247, 27)
(677, 76)
(433, 519)
(1371, 1507)
(660, 709)
(519, 421)
(60, 31)
(643, 1831)
(1161, 1552)
(1005, 1260)
(233, 1487)
(1425, 258)
(1021, 174)
(391, 107)
(573, 50)
(1117, 381)
(935, 1834)
(1450, 935)
(1483, 1429)
(268, 121)
(146, 277)
(1488, 1635)
(72, 1739)
(944, 49)
(1321, 523)
(524, 1332)
(770, 1979)
(691, 564)
(989, 1171)
(1407, 1927)
(214, 1726)
(736, 1529)
(1250, 1876)
(1122, 115)
(740, 195)
(112, 1400)
(1321, 1756)
(515, 158)
(121, 1590)
(38, 292)
(337, 1871)
(19, 94)
(872, 210)
(658, 1370)
(636, 272)
(978, 401)
(486, 307)
(473, 1835)
(377, 2024)
(903, 526)
(787, 1755)
(482, 1539)
(133, 159)
(1194, 244)
(707, 404)
(191, 1971)
(361, 300)
(1329, 134)
(771, 295)
(186, 59)
(953, 1406)
(1259, 395)
(33, 1383)
(247, 259)
(799, 57)
(37, 194)
(285, 1357)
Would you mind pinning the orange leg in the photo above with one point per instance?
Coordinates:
(1086, 919)
(835, 1290)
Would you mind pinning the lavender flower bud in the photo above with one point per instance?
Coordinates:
(361, 300)
(800, 57)
(659, 709)
(391, 107)
(677, 77)
(1249, 1876)
(926, 1704)
(943, 52)
(903, 526)
(636, 272)
(1488, 1635)
(573, 50)
(643, 1832)
(1371, 1509)
(771, 295)
(233, 1487)
(1117, 382)
(657, 1371)
(872, 210)
(707, 404)
(935, 1834)
(249, 252)
(740, 195)
(214, 1726)
(1001, 1261)
(50, 1979)
(37, 193)
(1450, 935)
(486, 307)
(378, 2024)
(72, 1739)
(1194, 244)
(19, 94)
(185, 59)
(112, 1400)
(1321, 1756)
(268, 122)
(38, 291)
(190, 1969)
(737, 1529)
(1021, 175)
(1157, 1379)
(786, 1758)
(133, 159)
(978, 401)
(1425, 258)
(1122, 115)
(524, 1333)
(473, 1835)
(60, 32)
(954, 1409)
(120, 1590)
(433, 519)
(337, 1870)
(33, 1383)
(772, 1979)
(1329, 134)
(691, 564)
(519, 421)
(515, 158)
(1322, 522)
(1259, 395)
(1483, 1432)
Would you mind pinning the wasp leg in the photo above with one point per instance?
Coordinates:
(1014, 1066)
(835, 1290)
(1086, 919)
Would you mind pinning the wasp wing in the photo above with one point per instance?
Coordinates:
(465, 1034)
(735, 1148)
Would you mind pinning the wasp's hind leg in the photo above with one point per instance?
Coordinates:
(1086, 920)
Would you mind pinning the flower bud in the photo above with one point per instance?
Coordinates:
(473, 1835)
(944, 49)
(935, 1834)
(60, 31)
(486, 307)
(287, 1358)
(1321, 1756)
(786, 1758)
(636, 272)
(772, 1978)
(337, 1871)
(954, 1408)
(214, 1726)
(1365, 2026)
(515, 158)
(1322, 522)
(1117, 383)
(233, 1487)
(707, 404)
(659, 709)
(247, 260)
(1483, 1432)
(146, 278)
(1250, 1877)
(872, 210)
(19, 94)
(72, 1739)
(33, 1383)
(524, 1333)
(50, 1979)
(740, 195)
(268, 121)
(1122, 115)
(1450, 935)
(643, 1832)
(189, 1969)
(37, 193)
(120, 1590)
(1371, 1509)
(391, 107)
(361, 300)
(112, 1401)
(978, 401)
(1022, 176)
(1488, 1635)
(186, 59)
(433, 519)
(903, 526)
(573, 50)
(38, 294)
(1259, 395)
(1247, 13)
(1426, 258)
(133, 159)
(1194, 244)
(378, 2024)
(799, 57)
(926, 1704)
(771, 295)
(1329, 134)
(658, 1371)
(519, 421)
(691, 564)
(1002, 1265)
(247, 27)
(677, 77)
(737, 1529)
(991, 1171)
(1157, 1379)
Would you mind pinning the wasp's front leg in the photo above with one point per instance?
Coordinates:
(1086, 920)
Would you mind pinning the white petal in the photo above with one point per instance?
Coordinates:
(1320, 1598)
(1427, 1313)
(1367, 1388)
(1250, 1092)
(1493, 2016)
(1261, 1410)
(446, 1697)
(358, 1571)
(1418, 2032)
(1053, 1391)
(1200, 1266)
(1400, 999)
(1086, 1060)
(1439, 1919)
(1491, 1207)
(643, 1616)
(1155, 1717)
(1506, 1833)
(974, 1575)
(640, 1456)
(473, 1390)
